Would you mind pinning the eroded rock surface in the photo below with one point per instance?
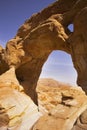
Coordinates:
(17, 111)
(40, 35)
(21, 64)
(66, 106)
(4, 119)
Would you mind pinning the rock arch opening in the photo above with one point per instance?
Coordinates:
(40, 35)
(59, 66)
(62, 69)
(71, 27)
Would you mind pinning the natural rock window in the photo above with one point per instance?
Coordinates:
(59, 66)
(40, 35)
(71, 27)
(26, 54)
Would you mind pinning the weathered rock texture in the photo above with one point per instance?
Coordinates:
(4, 119)
(26, 53)
(17, 110)
(66, 106)
(63, 107)
(40, 35)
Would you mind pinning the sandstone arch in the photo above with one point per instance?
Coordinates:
(40, 35)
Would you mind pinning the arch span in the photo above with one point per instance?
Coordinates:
(41, 34)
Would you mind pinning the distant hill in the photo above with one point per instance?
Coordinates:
(50, 92)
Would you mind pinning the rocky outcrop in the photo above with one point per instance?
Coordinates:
(65, 106)
(17, 110)
(78, 45)
(50, 93)
(60, 106)
(40, 35)
(4, 119)
(21, 64)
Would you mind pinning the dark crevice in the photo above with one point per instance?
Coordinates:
(64, 98)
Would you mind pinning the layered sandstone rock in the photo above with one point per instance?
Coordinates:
(50, 93)
(40, 35)
(66, 107)
(62, 106)
(21, 64)
(17, 111)
(4, 119)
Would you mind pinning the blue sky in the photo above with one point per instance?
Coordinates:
(13, 13)
(59, 66)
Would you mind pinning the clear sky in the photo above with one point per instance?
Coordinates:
(13, 13)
